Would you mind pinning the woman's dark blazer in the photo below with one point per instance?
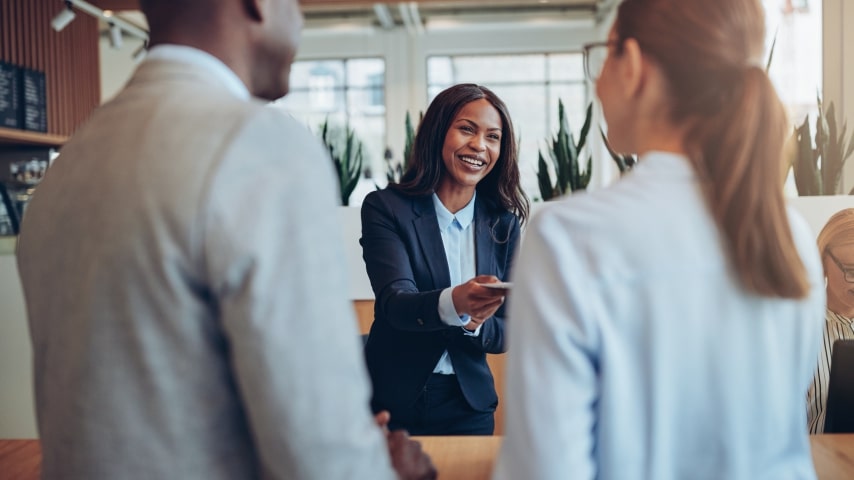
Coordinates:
(406, 263)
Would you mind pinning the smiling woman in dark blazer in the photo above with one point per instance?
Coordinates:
(429, 244)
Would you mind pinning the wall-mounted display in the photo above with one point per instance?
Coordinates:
(10, 96)
(34, 101)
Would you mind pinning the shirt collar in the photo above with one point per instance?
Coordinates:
(445, 217)
(202, 60)
(838, 318)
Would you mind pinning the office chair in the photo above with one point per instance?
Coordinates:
(839, 417)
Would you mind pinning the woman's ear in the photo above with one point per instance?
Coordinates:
(631, 68)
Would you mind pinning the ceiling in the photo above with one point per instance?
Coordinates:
(391, 14)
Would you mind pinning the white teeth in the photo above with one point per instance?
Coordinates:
(472, 161)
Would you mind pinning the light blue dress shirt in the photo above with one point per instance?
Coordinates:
(458, 240)
(641, 355)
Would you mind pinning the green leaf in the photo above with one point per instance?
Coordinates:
(410, 140)
(588, 173)
(806, 174)
(850, 148)
(771, 52)
(831, 154)
(564, 153)
(544, 179)
(585, 129)
(348, 163)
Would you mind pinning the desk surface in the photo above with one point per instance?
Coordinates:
(469, 458)
(457, 458)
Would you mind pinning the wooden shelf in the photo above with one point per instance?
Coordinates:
(9, 136)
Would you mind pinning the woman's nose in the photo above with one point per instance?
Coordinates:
(477, 142)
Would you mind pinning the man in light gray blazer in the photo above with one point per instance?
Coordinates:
(181, 267)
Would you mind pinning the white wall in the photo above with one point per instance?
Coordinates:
(839, 66)
(117, 64)
(17, 419)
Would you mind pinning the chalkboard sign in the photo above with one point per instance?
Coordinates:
(11, 112)
(34, 100)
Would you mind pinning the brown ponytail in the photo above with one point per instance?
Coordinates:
(739, 153)
(709, 52)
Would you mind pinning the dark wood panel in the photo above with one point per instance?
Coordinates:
(69, 59)
(116, 5)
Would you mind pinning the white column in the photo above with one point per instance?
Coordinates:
(838, 56)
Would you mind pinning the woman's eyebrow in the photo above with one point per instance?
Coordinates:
(472, 122)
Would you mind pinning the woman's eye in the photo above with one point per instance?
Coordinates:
(495, 137)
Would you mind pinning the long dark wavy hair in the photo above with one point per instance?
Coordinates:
(426, 167)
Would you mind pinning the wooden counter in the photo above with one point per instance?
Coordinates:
(457, 458)
(463, 458)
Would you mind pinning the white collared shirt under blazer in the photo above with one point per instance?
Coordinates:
(836, 327)
(636, 354)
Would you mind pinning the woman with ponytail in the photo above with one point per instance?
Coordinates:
(668, 326)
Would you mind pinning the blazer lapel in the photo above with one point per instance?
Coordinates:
(427, 231)
(484, 244)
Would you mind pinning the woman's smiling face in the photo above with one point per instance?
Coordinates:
(472, 145)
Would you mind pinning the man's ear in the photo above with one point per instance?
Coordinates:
(632, 68)
(255, 9)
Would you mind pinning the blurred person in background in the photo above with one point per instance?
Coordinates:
(836, 247)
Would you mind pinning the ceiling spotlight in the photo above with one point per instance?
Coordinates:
(115, 36)
(63, 18)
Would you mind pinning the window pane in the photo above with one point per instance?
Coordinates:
(314, 122)
(317, 74)
(567, 66)
(432, 91)
(527, 105)
(366, 101)
(321, 91)
(371, 132)
(366, 72)
(496, 69)
(440, 71)
(796, 68)
(313, 101)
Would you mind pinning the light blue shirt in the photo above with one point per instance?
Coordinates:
(458, 240)
(641, 355)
